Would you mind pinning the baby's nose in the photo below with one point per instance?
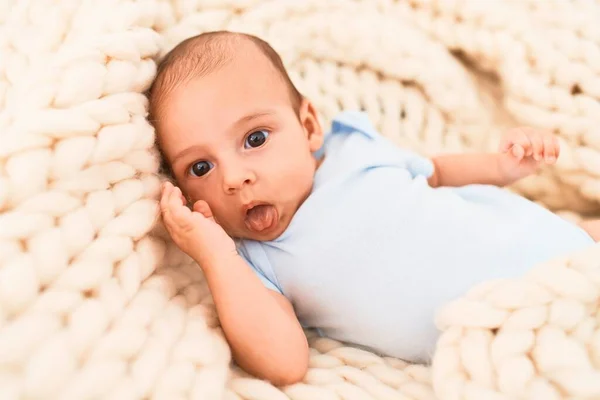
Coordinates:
(233, 187)
(235, 179)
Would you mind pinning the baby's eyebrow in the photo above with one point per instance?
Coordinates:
(252, 116)
(182, 153)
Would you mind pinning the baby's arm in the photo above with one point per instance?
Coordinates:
(260, 325)
(522, 151)
(466, 169)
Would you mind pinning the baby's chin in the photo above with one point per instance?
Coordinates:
(262, 237)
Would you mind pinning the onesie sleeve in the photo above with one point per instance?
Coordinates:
(259, 263)
(417, 164)
(356, 121)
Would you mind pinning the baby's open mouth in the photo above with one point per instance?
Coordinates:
(261, 217)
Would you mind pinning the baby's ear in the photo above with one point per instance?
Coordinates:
(310, 122)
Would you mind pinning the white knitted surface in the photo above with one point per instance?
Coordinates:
(96, 302)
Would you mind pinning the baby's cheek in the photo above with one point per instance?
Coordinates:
(227, 221)
(298, 175)
(193, 194)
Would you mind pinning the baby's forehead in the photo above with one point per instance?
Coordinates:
(243, 67)
(246, 81)
(232, 70)
(225, 101)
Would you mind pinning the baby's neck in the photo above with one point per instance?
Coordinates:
(319, 161)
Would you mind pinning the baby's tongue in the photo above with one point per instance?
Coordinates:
(261, 217)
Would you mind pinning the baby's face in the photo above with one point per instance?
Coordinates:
(233, 139)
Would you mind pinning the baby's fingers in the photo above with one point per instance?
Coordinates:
(537, 146)
(518, 151)
(551, 149)
(175, 214)
(164, 198)
(176, 205)
(203, 208)
(517, 142)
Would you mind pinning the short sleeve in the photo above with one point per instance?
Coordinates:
(259, 264)
(353, 121)
(416, 164)
(356, 121)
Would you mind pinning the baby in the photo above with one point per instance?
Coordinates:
(342, 232)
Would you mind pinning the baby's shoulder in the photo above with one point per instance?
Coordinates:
(354, 144)
(352, 121)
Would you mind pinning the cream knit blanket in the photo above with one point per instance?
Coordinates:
(96, 302)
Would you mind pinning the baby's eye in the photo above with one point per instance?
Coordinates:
(200, 168)
(256, 139)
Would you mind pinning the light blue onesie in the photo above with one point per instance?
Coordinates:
(374, 251)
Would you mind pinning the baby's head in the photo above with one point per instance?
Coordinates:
(234, 132)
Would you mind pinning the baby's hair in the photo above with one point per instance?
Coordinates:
(200, 55)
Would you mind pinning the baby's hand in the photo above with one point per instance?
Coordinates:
(524, 150)
(194, 232)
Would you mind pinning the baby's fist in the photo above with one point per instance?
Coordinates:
(524, 150)
(194, 232)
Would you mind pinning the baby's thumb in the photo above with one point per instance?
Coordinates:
(518, 151)
(202, 207)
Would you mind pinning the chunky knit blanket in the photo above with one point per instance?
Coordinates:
(96, 302)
